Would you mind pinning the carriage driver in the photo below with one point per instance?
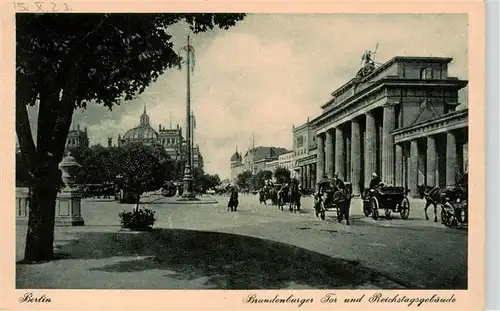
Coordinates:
(375, 181)
(336, 183)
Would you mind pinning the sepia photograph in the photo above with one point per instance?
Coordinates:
(241, 151)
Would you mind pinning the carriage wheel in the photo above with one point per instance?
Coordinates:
(374, 208)
(405, 208)
(388, 213)
(366, 209)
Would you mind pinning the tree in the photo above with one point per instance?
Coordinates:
(68, 60)
(142, 168)
(282, 175)
(259, 179)
(243, 179)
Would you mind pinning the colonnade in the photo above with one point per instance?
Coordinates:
(363, 145)
(307, 175)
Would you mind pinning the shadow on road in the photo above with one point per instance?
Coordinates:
(227, 261)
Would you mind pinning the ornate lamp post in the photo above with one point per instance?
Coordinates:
(188, 192)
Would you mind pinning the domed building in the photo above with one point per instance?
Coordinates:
(143, 133)
(170, 139)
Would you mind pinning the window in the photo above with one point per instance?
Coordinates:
(426, 74)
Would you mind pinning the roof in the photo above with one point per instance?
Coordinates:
(261, 152)
(236, 157)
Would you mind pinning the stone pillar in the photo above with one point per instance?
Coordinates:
(313, 177)
(355, 156)
(388, 145)
(320, 162)
(308, 176)
(339, 153)
(329, 154)
(347, 153)
(431, 162)
(451, 159)
(68, 203)
(413, 169)
(370, 151)
(399, 166)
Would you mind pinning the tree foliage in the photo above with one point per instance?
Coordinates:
(244, 179)
(259, 180)
(282, 175)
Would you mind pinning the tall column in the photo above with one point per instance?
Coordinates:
(302, 178)
(370, 148)
(329, 154)
(312, 178)
(413, 170)
(451, 159)
(308, 176)
(339, 153)
(347, 153)
(431, 162)
(356, 156)
(399, 166)
(388, 145)
(320, 166)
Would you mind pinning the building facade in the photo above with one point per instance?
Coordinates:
(285, 160)
(254, 160)
(170, 139)
(77, 138)
(398, 120)
(304, 154)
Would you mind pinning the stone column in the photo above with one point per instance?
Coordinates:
(388, 145)
(451, 159)
(431, 162)
(355, 156)
(370, 148)
(308, 176)
(399, 166)
(329, 154)
(313, 177)
(339, 153)
(413, 170)
(302, 176)
(320, 166)
(347, 153)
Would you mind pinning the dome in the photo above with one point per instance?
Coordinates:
(141, 133)
(236, 157)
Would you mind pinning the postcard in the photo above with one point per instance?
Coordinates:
(243, 156)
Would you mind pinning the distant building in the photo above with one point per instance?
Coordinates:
(285, 160)
(170, 139)
(304, 155)
(77, 138)
(254, 160)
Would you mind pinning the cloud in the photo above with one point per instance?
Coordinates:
(272, 71)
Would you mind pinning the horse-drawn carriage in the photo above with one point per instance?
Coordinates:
(330, 198)
(389, 198)
(453, 202)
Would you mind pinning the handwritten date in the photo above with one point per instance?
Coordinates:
(42, 7)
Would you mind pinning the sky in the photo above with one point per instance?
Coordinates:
(273, 71)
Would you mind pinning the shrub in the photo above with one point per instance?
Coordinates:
(139, 219)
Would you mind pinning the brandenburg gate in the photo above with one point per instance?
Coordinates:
(399, 120)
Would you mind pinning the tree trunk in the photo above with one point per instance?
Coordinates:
(40, 235)
(138, 201)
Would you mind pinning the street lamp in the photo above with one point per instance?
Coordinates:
(188, 192)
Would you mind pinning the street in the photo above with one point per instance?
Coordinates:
(205, 246)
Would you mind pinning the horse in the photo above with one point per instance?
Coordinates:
(233, 201)
(273, 195)
(294, 195)
(435, 195)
